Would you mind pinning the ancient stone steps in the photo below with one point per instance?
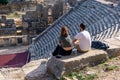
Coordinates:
(101, 20)
(37, 70)
(31, 71)
(67, 64)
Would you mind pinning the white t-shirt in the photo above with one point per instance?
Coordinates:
(85, 40)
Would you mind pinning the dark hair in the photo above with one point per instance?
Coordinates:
(82, 26)
(64, 31)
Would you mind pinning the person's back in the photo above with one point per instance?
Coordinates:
(85, 41)
(65, 43)
(82, 40)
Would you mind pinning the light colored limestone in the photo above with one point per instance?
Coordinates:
(67, 64)
(1, 76)
(114, 49)
(12, 74)
(35, 69)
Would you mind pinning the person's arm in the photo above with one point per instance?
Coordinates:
(76, 41)
(59, 43)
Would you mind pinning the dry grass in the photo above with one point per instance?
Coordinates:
(106, 71)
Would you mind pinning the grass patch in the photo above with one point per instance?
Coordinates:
(14, 15)
(71, 75)
(90, 77)
(109, 68)
(80, 76)
(62, 78)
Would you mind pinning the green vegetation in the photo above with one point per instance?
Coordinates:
(112, 67)
(15, 15)
(3, 1)
(71, 75)
(80, 76)
(90, 77)
(91, 73)
(107, 67)
(62, 78)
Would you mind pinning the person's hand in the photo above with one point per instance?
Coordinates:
(76, 42)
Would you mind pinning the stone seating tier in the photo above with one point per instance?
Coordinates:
(102, 22)
(75, 62)
(71, 63)
(36, 70)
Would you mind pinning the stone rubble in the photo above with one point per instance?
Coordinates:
(37, 69)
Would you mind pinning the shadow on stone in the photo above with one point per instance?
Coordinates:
(36, 70)
(67, 64)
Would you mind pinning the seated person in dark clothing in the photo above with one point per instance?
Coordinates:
(65, 43)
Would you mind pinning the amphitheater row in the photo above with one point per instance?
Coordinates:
(101, 21)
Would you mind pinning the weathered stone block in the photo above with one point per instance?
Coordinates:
(35, 69)
(1, 76)
(11, 74)
(67, 64)
(114, 49)
(113, 52)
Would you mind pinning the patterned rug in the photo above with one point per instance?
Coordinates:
(14, 60)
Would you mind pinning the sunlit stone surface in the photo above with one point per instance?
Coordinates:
(102, 21)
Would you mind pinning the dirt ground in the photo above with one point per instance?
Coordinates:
(104, 71)
(110, 70)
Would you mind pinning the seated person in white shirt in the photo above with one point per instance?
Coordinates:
(82, 40)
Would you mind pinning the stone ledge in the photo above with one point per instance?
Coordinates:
(35, 69)
(114, 49)
(11, 74)
(2, 76)
(67, 64)
(113, 52)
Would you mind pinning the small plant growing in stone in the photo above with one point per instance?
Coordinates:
(79, 76)
(109, 68)
(62, 78)
(71, 75)
(90, 77)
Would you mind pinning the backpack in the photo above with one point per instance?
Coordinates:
(99, 45)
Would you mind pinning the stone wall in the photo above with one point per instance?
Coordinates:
(5, 9)
(13, 40)
(37, 69)
(67, 64)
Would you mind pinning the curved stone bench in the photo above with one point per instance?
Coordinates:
(75, 62)
(102, 22)
(36, 69)
(114, 49)
(67, 64)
